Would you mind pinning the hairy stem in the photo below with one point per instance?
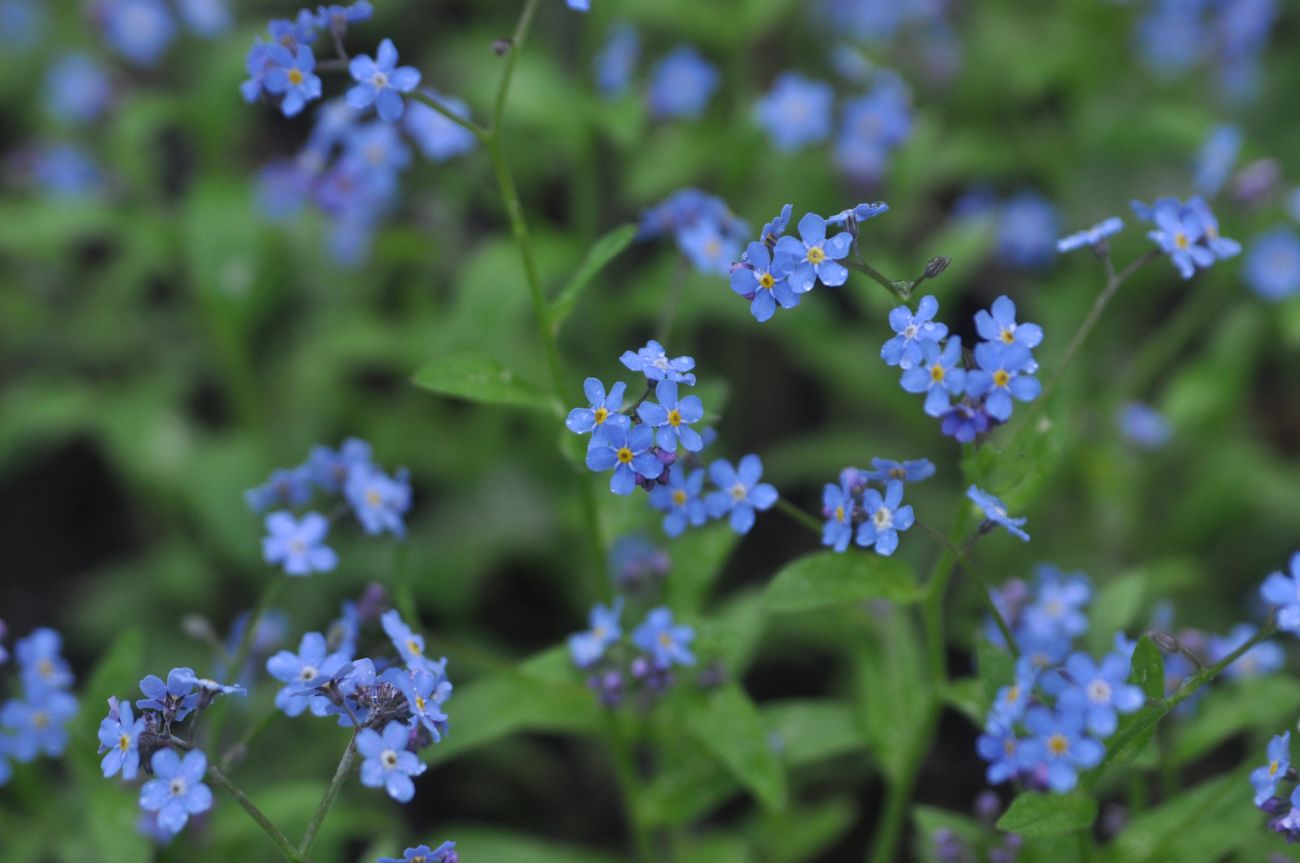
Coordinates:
(963, 557)
(340, 774)
(281, 843)
(893, 287)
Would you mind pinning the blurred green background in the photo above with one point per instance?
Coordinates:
(164, 345)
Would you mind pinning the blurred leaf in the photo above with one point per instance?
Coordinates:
(1135, 730)
(996, 669)
(1117, 606)
(799, 834)
(813, 730)
(729, 725)
(598, 256)
(826, 579)
(714, 849)
(732, 633)
(478, 379)
(966, 695)
(1034, 813)
(893, 692)
(698, 557)
(499, 845)
(1262, 704)
(1193, 827)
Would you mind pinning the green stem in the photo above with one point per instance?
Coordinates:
(270, 592)
(898, 794)
(522, 27)
(621, 748)
(797, 514)
(1162, 346)
(866, 269)
(936, 589)
(985, 590)
(1087, 848)
(341, 774)
(467, 124)
(281, 843)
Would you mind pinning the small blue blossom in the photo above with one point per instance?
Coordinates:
(287, 487)
(939, 374)
(579, 5)
(425, 691)
(437, 137)
(995, 511)
(65, 171)
(1027, 231)
(208, 689)
(653, 362)
(292, 77)
(329, 469)
(177, 791)
(966, 421)
(1060, 745)
(1264, 658)
(774, 229)
(588, 647)
(1004, 371)
(205, 18)
(627, 451)
(1098, 691)
(837, 506)
(444, 853)
(1143, 426)
(1057, 605)
(758, 281)
(380, 82)
(616, 62)
(885, 518)
(1265, 779)
(337, 18)
(1093, 237)
(672, 418)
(666, 642)
(873, 127)
(298, 545)
(1043, 650)
(915, 470)
(1222, 247)
(913, 330)
(814, 257)
(605, 408)
(681, 500)
(1012, 701)
(175, 699)
(139, 30)
(119, 737)
(796, 112)
(998, 325)
(38, 723)
(682, 84)
(739, 492)
(409, 644)
(709, 247)
(77, 89)
(1178, 233)
(1216, 158)
(301, 30)
(379, 500)
(1004, 751)
(313, 660)
(39, 660)
(1283, 593)
(1272, 266)
(855, 216)
(387, 762)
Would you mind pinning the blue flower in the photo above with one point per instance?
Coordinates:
(885, 519)
(999, 325)
(709, 247)
(874, 125)
(287, 487)
(1265, 778)
(424, 691)
(206, 18)
(681, 500)
(1216, 158)
(77, 89)
(1143, 426)
(177, 791)
(1059, 745)
(673, 418)
(1057, 606)
(312, 661)
(208, 689)
(939, 374)
(1093, 237)
(764, 286)
(604, 408)
(39, 723)
(329, 469)
(1221, 246)
(855, 216)
(409, 644)
(814, 257)
(681, 84)
(1005, 371)
(1027, 231)
(444, 853)
(616, 62)
(388, 764)
(653, 362)
(437, 137)
(774, 229)
(796, 112)
(666, 643)
(39, 660)
(380, 82)
(1263, 658)
(579, 5)
(379, 500)
(1283, 593)
(1178, 233)
(174, 699)
(636, 563)
(1098, 691)
(298, 545)
(916, 470)
(337, 18)
(1012, 701)
(139, 30)
(292, 76)
(301, 30)
(739, 492)
(1272, 266)
(119, 737)
(627, 451)
(65, 171)
(913, 330)
(1004, 751)
(589, 646)
(837, 506)
(995, 511)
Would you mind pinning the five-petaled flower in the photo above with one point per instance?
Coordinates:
(814, 257)
(589, 646)
(739, 492)
(913, 330)
(672, 418)
(177, 791)
(388, 763)
(380, 82)
(666, 642)
(605, 408)
(298, 545)
(627, 451)
(885, 518)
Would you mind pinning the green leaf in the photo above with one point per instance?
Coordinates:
(813, 730)
(1201, 825)
(698, 559)
(893, 692)
(604, 250)
(1148, 673)
(1263, 704)
(482, 380)
(827, 579)
(1034, 813)
(729, 726)
(800, 834)
(997, 668)
(503, 846)
(1118, 604)
(966, 696)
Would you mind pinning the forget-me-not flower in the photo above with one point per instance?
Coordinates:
(682, 84)
(286, 487)
(388, 764)
(616, 62)
(293, 77)
(672, 418)
(885, 518)
(1005, 370)
(177, 791)
(998, 324)
(119, 738)
(797, 111)
(739, 491)
(1265, 778)
(424, 691)
(996, 512)
(1060, 745)
(39, 723)
(379, 500)
(605, 408)
(938, 374)
(765, 286)
(313, 660)
(1012, 700)
(814, 257)
(837, 506)
(1178, 233)
(175, 698)
(40, 662)
(1283, 593)
(1143, 426)
(589, 646)
(1094, 236)
(666, 642)
(436, 136)
(914, 470)
(653, 362)
(139, 30)
(913, 330)
(444, 853)
(381, 82)
(1058, 603)
(627, 451)
(1100, 691)
(1002, 749)
(298, 545)
(681, 500)
(330, 468)
(1272, 265)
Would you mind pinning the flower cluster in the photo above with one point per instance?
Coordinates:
(640, 444)
(35, 723)
(854, 511)
(345, 476)
(1272, 265)
(1187, 232)
(1282, 592)
(776, 270)
(153, 740)
(1228, 36)
(1283, 809)
(706, 231)
(446, 852)
(617, 667)
(933, 363)
(1049, 723)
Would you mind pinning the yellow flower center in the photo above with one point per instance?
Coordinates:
(1181, 241)
(936, 373)
(602, 414)
(419, 703)
(1013, 695)
(839, 513)
(40, 719)
(624, 455)
(679, 498)
(766, 281)
(413, 646)
(45, 668)
(1008, 336)
(124, 742)
(674, 418)
(1001, 378)
(1009, 746)
(1058, 744)
(665, 640)
(373, 497)
(816, 255)
(295, 77)
(1273, 768)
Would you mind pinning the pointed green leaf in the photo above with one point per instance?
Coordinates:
(1034, 813)
(827, 579)
(604, 250)
(731, 728)
(996, 668)
(893, 692)
(1135, 730)
(479, 379)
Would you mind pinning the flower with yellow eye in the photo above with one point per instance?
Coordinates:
(1059, 746)
(672, 418)
(938, 374)
(379, 500)
(885, 518)
(627, 451)
(119, 738)
(814, 257)
(1265, 778)
(291, 76)
(681, 500)
(1003, 372)
(666, 642)
(586, 648)
(764, 285)
(912, 331)
(838, 506)
(604, 408)
(998, 325)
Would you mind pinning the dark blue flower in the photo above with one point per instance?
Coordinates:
(965, 421)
